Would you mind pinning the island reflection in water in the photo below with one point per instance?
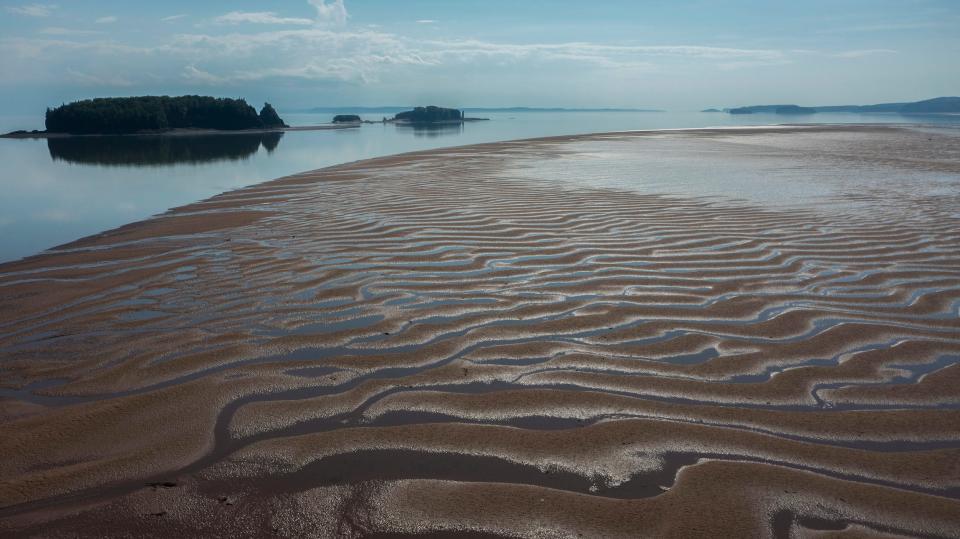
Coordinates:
(153, 150)
(430, 130)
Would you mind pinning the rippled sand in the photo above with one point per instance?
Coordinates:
(750, 332)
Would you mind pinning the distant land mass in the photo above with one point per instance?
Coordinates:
(928, 106)
(387, 109)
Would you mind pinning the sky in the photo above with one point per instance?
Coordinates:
(669, 54)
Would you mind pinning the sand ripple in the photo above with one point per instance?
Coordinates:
(516, 339)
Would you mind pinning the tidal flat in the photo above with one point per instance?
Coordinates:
(728, 332)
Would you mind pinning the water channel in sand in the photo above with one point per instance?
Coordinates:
(508, 339)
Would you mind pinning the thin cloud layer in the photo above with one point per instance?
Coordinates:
(259, 17)
(316, 46)
(362, 55)
(32, 10)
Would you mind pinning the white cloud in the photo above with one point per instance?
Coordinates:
(426, 21)
(365, 55)
(87, 79)
(354, 55)
(33, 10)
(324, 54)
(58, 31)
(882, 27)
(864, 52)
(191, 73)
(259, 17)
(173, 17)
(335, 11)
(106, 20)
(54, 215)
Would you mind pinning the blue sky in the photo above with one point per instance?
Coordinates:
(677, 55)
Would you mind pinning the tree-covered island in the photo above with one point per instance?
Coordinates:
(429, 114)
(121, 115)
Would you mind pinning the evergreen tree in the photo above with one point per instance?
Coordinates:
(269, 117)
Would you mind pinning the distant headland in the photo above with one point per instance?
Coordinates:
(936, 105)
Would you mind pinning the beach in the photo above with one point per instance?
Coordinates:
(728, 332)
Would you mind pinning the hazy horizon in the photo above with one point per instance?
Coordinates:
(299, 54)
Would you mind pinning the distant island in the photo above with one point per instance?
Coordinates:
(928, 106)
(398, 108)
(418, 116)
(430, 115)
(346, 119)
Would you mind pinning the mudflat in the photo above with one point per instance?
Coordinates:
(731, 332)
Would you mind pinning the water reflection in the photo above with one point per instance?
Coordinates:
(430, 130)
(58, 190)
(160, 150)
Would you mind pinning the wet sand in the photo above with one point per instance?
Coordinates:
(743, 332)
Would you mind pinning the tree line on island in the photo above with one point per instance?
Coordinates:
(118, 115)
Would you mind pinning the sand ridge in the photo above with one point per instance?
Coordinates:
(376, 346)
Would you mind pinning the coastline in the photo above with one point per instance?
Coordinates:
(580, 339)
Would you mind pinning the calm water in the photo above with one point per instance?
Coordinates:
(55, 191)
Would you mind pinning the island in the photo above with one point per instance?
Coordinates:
(117, 115)
(937, 105)
(346, 119)
(160, 115)
(429, 115)
(711, 110)
(432, 115)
